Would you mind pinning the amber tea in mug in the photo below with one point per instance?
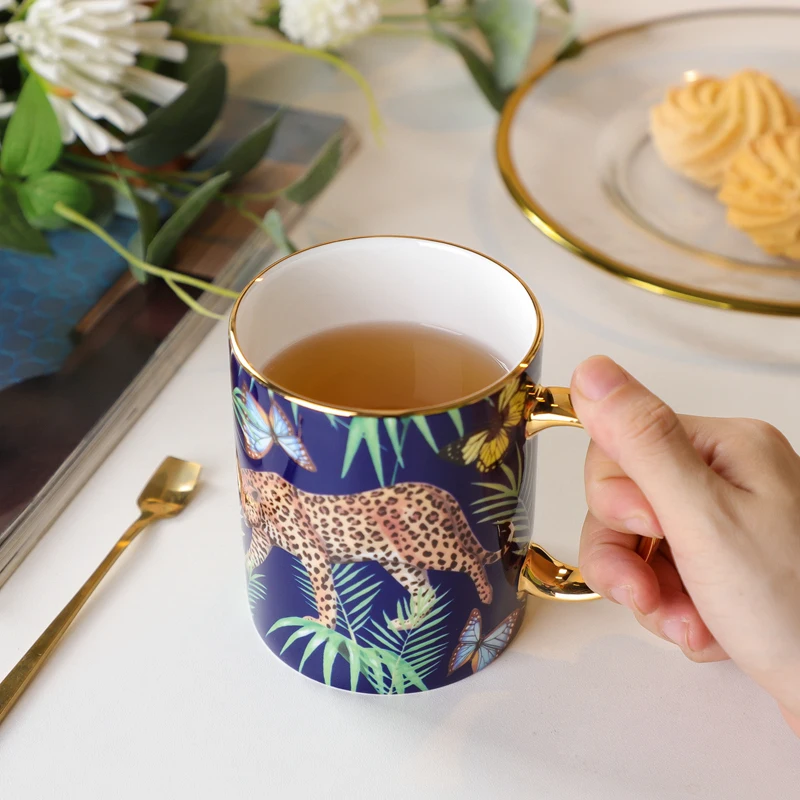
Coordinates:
(385, 366)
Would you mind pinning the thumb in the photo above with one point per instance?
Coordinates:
(641, 433)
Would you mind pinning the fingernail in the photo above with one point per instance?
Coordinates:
(676, 630)
(624, 596)
(598, 377)
(639, 525)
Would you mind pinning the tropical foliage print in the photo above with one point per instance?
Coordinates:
(390, 660)
(395, 434)
(360, 643)
(508, 504)
(256, 589)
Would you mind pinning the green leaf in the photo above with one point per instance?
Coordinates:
(16, 233)
(272, 20)
(572, 49)
(318, 175)
(147, 216)
(200, 55)
(455, 416)
(274, 225)
(328, 657)
(165, 241)
(355, 663)
(103, 204)
(172, 130)
(424, 429)
(32, 143)
(148, 219)
(563, 5)
(298, 634)
(316, 640)
(390, 423)
(249, 152)
(481, 72)
(40, 193)
(510, 30)
(364, 428)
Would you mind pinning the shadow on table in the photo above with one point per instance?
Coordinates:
(625, 720)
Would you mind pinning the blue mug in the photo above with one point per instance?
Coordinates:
(374, 563)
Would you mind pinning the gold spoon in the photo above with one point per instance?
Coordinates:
(166, 494)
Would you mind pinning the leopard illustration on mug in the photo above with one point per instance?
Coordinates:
(407, 528)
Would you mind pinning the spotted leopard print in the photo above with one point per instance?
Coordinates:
(407, 528)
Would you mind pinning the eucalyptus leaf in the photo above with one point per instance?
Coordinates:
(16, 233)
(172, 130)
(103, 204)
(32, 142)
(572, 49)
(510, 30)
(148, 218)
(199, 55)
(40, 193)
(481, 72)
(318, 175)
(273, 19)
(274, 225)
(165, 241)
(249, 152)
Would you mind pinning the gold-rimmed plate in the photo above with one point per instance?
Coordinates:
(574, 151)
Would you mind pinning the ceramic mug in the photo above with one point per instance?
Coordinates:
(373, 563)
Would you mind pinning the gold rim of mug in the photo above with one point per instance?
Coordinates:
(345, 411)
(546, 224)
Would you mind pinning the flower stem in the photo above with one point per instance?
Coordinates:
(392, 30)
(376, 123)
(254, 197)
(433, 14)
(191, 302)
(92, 177)
(21, 10)
(252, 217)
(174, 177)
(168, 274)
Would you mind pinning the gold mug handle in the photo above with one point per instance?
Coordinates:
(542, 575)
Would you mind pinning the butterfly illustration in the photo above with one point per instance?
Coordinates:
(488, 447)
(260, 430)
(481, 650)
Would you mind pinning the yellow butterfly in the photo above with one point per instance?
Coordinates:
(489, 447)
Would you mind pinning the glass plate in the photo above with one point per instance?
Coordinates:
(574, 151)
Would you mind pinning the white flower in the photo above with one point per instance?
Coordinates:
(218, 16)
(322, 24)
(86, 50)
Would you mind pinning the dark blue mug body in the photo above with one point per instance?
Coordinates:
(384, 551)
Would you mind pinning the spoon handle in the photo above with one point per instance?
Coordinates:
(15, 683)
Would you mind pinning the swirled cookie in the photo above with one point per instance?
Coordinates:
(700, 126)
(761, 190)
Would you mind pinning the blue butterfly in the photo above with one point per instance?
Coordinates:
(481, 650)
(260, 430)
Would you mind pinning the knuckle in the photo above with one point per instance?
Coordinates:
(653, 422)
(763, 432)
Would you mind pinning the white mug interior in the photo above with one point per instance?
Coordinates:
(385, 279)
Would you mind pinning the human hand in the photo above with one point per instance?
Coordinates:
(724, 494)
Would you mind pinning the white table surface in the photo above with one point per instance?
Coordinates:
(163, 689)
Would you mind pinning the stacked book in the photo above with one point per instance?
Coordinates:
(69, 395)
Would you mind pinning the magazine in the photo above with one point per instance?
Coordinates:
(73, 380)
